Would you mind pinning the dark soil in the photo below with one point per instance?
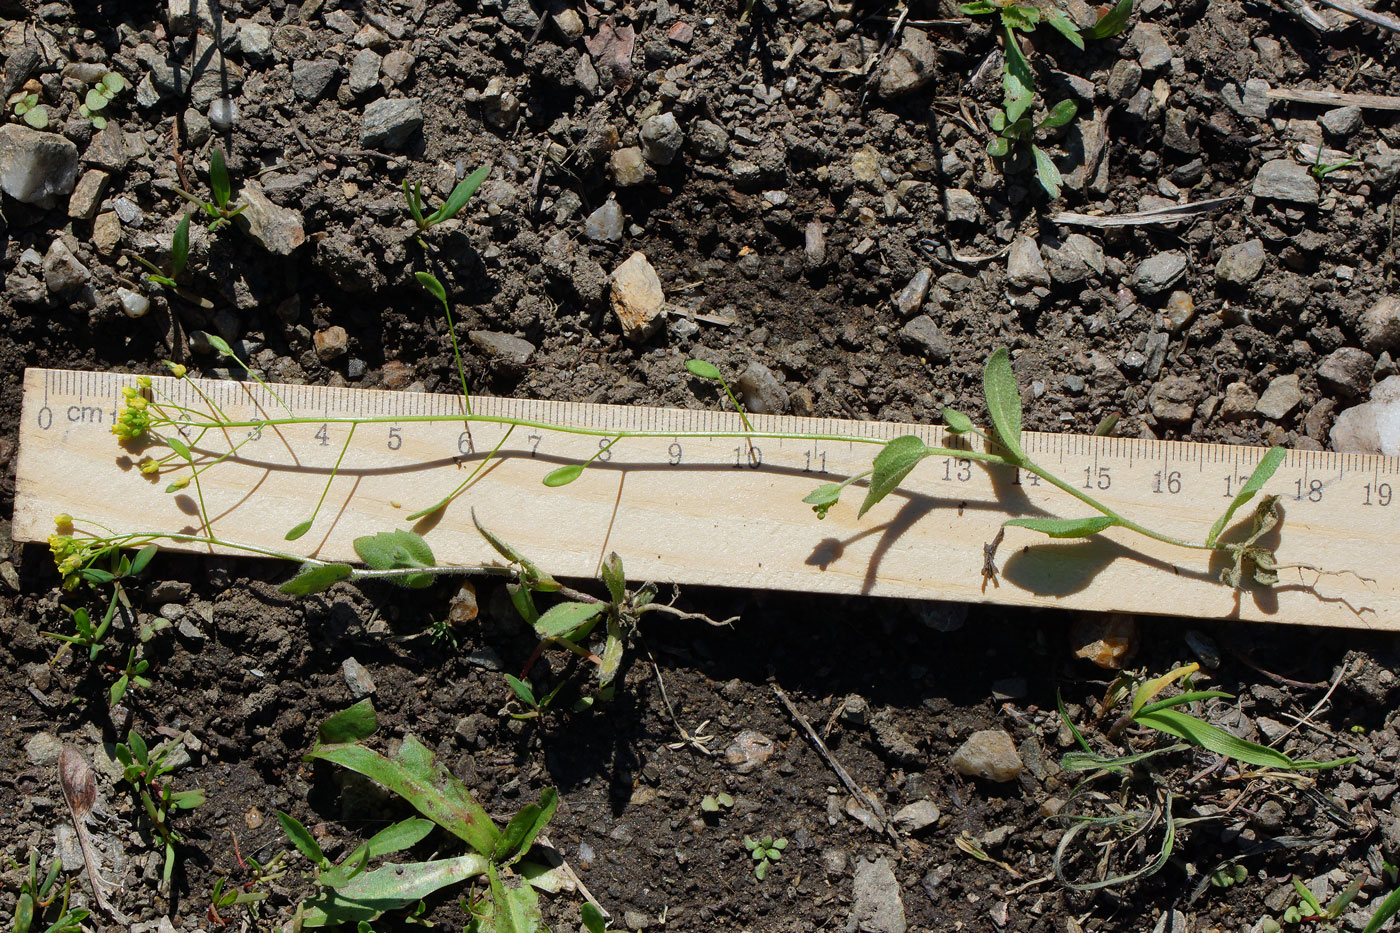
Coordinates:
(806, 143)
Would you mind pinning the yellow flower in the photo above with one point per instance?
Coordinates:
(176, 370)
(149, 466)
(63, 522)
(143, 381)
(179, 484)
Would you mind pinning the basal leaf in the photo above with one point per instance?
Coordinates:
(180, 246)
(593, 920)
(460, 196)
(353, 724)
(1213, 738)
(1261, 475)
(614, 578)
(999, 147)
(397, 550)
(522, 690)
(563, 620)
(1060, 115)
(1004, 401)
(418, 777)
(1046, 173)
(391, 887)
(314, 578)
(514, 906)
(976, 8)
(218, 178)
(391, 839)
(892, 464)
(524, 827)
(1113, 22)
(142, 558)
(1064, 27)
(704, 369)
(1016, 16)
(957, 422)
(300, 837)
(1065, 527)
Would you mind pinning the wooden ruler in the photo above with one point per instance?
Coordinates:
(692, 509)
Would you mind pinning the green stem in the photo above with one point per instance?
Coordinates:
(301, 529)
(1098, 506)
(447, 499)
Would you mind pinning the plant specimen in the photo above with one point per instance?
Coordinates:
(1321, 170)
(448, 209)
(712, 804)
(220, 210)
(99, 96)
(179, 254)
(43, 904)
(25, 105)
(145, 770)
(1014, 127)
(1309, 910)
(764, 851)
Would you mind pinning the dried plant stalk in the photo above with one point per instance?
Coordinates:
(79, 786)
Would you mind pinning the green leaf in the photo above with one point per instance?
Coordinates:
(1046, 172)
(823, 498)
(431, 285)
(397, 550)
(892, 464)
(1004, 401)
(1065, 527)
(218, 178)
(415, 775)
(704, 369)
(314, 578)
(414, 197)
(1018, 82)
(957, 422)
(95, 100)
(179, 446)
(592, 918)
(180, 247)
(1024, 18)
(514, 906)
(391, 887)
(114, 83)
(976, 8)
(999, 148)
(1213, 738)
(564, 475)
(1060, 115)
(532, 576)
(460, 196)
(298, 530)
(522, 829)
(523, 602)
(1064, 27)
(614, 578)
(117, 691)
(501, 547)
(1150, 688)
(998, 121)
(220, 345)
(1113, 22)
(391, 839)
(37, 117)
(612, 651)
(300, 837)
(353, 724)
(1185, 699)
(142, 558)
(1389, 908)
(563, 620)
(522, 690)
(139, 751)
(1261, 475)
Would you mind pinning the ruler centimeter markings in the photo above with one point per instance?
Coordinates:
(703, 510)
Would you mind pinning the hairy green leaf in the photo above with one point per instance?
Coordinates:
(999, 147)
(397, 550)
(957, 422)
(892, 464)
(522, 690)
(1268, 464)
(391, 887)
(314, 578)
(460, 196)
(297, 530)
(614, 578)
(1065, 527)
(514, 906)
(823, 498)
(180, 246)
(1064, 27)
(300, 837)
(431, 285)
(391, 839)
(1111, 23)
(1024, 18)
(353, 724)
(418, 777)
(704, 369)
(1060, 115)
(1046, 172)
(565, 619)
(976, 8)
(1018, 82)
(1004, 401)
(520, 833)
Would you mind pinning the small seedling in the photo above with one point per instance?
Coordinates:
(179, 255)
(220, 210)
(145, 771)
(99, 96)
(593, 919)
(26, 106)
(712, 804)
(1014, 137)
(1229, 877)
(450, 208)
(37, 896)
(1321, 170)
(764, 851)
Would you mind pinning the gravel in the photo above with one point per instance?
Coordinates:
(1025, 268)
(36, 168)
(388, 123)
(1380, 326)
(1286, 180)
(1241, 264)
(990, 754)
(1280, 398)
(1158, 273)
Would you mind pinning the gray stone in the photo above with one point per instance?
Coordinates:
(357, 678)
(709, 140)
(170, 591)
(1025, 268)
(106, 233)
(918, 815)
(604, 225)
(520, 15)
(963, 206)
(364, 71)
(1379, 327)
(924, 336)
(36, 168)
(1174, 399)
(311, 79)
(279, 230)
(390, 122)
(637, 297)
(254, 41)
(1341, 122)
(189, 631)
(1241, 263)
(43, 748)
(661, 138)
(1065, 265)
(748, 751)
(1374, 426)
(990, 754)
(503, 347)
(397, 66)
(910, 67)
(1124, 80)
(1240, 402)
(876, 906)
(1088, 250)
(1255, 100)
(110, 149)
(1285, 180)
(761, 391)
(62, 270)
(1280, 398)
(814, 244)
(87, 194)
(1158, 273)
(182, 15)
(1347, 370)
(629, 167)
(1152, 48)
(911, 298)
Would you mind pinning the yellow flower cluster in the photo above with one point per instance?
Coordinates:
(135, 418)
(67, 553)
